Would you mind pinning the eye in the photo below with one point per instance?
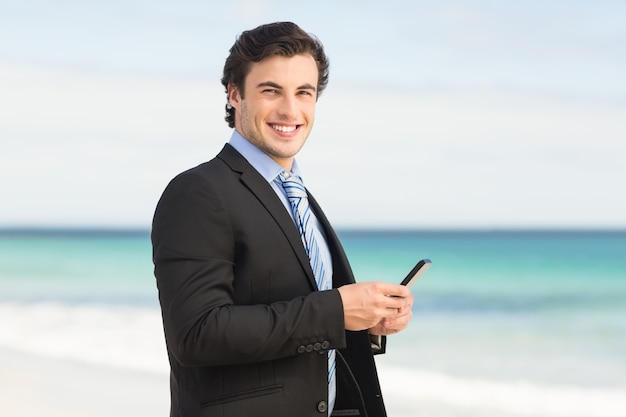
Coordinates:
(270, 91)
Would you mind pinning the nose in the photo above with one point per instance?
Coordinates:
(287, 108)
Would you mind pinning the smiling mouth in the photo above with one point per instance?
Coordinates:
(284, 129)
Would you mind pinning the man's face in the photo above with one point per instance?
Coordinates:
(278, 110)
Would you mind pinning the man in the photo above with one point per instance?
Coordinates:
(261, 312)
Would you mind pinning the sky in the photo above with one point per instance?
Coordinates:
(438, 114)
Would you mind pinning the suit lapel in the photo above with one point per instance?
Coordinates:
(251, 178)
(342, 272)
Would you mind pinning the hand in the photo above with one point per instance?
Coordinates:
(400, 322)
(384, 307)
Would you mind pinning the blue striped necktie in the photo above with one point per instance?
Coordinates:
(301, 210)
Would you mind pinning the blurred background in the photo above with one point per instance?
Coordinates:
(491, 114)
(487, 136)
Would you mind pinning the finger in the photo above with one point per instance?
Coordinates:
(394, 327)
(394, 290)
(408, 307)
(397, 323)
(398, 303)
(401, 291)
(404, 312)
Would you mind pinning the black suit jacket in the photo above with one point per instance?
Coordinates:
(246, 331)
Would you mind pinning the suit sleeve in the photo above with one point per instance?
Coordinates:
(194, 245)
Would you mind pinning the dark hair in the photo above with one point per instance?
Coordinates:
(282, 38)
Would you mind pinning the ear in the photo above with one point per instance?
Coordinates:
(234, 98)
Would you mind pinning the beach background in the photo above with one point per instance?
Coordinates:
(506, 324)
(486, 136)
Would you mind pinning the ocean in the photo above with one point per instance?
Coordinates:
(506, 323)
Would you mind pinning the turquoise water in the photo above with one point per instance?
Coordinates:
(507, 271)
(539, 306)
(77, 267)
(471, 270)
(546, 307)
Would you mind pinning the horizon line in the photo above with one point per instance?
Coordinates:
(136, 230)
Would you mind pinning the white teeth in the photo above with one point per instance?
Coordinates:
(284, 129)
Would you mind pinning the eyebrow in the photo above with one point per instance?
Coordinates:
(272, 84)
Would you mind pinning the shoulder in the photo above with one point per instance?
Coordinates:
(197, 190)
(227, 161)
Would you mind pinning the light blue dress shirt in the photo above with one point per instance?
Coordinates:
(269, 169)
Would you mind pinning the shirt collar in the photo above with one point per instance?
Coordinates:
(265, 165)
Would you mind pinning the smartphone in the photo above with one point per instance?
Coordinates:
(416, 273)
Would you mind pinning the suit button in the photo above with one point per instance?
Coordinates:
(309, 348)
(301, 349)
(322, 406)
(325, 344)
(317, 346)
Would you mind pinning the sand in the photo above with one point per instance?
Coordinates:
(38, 386)
(35, 386)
